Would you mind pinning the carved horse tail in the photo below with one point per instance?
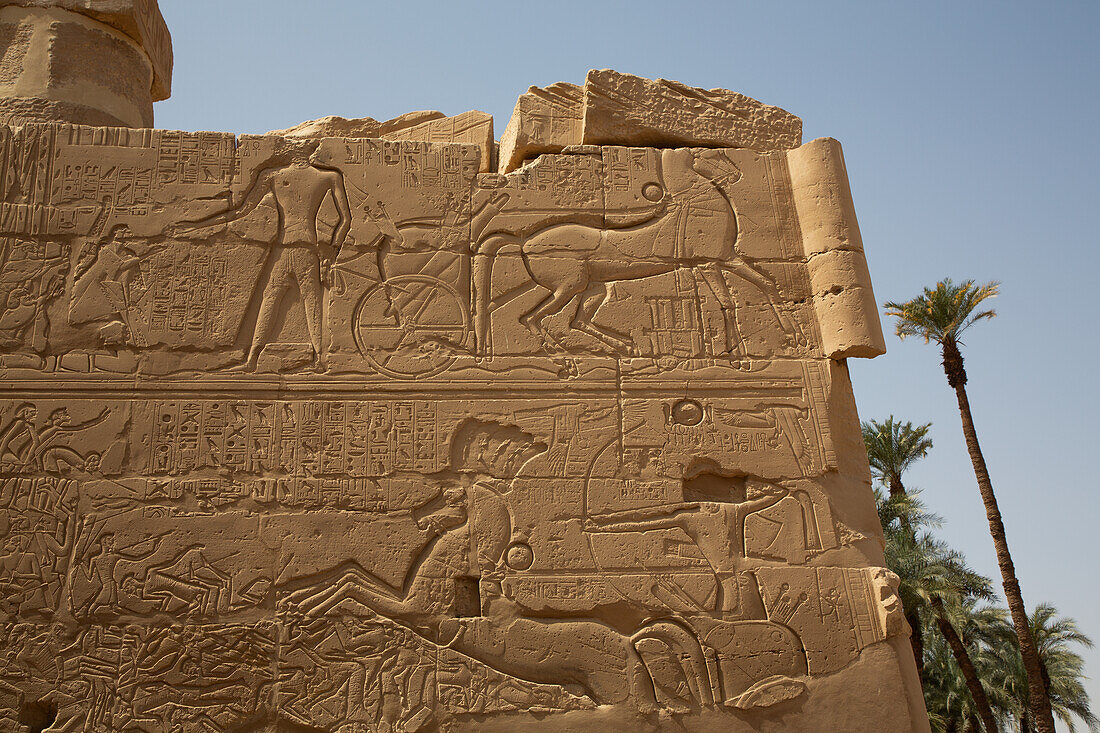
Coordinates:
(681, 642)
(485, 253)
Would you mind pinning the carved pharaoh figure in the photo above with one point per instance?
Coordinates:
(298, 258)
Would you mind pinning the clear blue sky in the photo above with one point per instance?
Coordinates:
(968, 129)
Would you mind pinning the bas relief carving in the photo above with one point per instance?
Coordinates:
(348, 435)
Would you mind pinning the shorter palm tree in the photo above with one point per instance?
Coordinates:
(949, 703)
(892, 447)
(1063, 671)
(933, 577)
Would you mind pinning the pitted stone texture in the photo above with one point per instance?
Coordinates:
(141, 20)
(83, 62)
(623, 109)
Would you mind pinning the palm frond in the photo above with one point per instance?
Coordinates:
(944, 312)
(894, 446)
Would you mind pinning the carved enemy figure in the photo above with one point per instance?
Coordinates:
(31, 276)
(717, 528)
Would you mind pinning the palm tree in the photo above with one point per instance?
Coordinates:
(1063, 671)
(894, 446)
(949, 703)
(942, 315)
(930, 572)
(897, 515)
(951, 709)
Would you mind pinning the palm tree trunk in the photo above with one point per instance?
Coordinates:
(897, 488)
(1039, 701)
(970, 674)
(916, 639)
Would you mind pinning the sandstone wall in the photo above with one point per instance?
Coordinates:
(346, 435)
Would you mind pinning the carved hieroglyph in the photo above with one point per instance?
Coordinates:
(344, 435)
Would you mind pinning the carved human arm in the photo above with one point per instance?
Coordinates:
(343, 208)
(774, 495)
(252, 198)
(131, 553)
(443, 520)
(639, 520)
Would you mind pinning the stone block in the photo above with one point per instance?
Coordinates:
(623, 109)
(545, 120)
(473, 127)
(100, 62)
(613, 108)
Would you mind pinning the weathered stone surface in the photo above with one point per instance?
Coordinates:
(613, 108)
(840, 282)
(623, 109)
(334, 126)
(345, 434)
(95, 63)
(141, 20)
(545, 120)
(472, 127)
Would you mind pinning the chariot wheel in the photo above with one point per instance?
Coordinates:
(411, 326)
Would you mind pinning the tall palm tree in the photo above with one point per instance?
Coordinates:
(1063, 671)
(894, 446)
(942, 314)
(931, 572)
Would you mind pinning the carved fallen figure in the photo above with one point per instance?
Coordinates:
(24, 445)
(672, 662)
(695, 227)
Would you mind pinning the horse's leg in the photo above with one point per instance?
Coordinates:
(590, 302)
(762, 282)
(482, 283)
(565, 278)
(712, 276)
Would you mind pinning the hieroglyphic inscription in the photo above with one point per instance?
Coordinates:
(420, 164)
(295, 438)
(191, 158)
(174, 304)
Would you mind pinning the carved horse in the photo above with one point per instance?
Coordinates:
(696, 229)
